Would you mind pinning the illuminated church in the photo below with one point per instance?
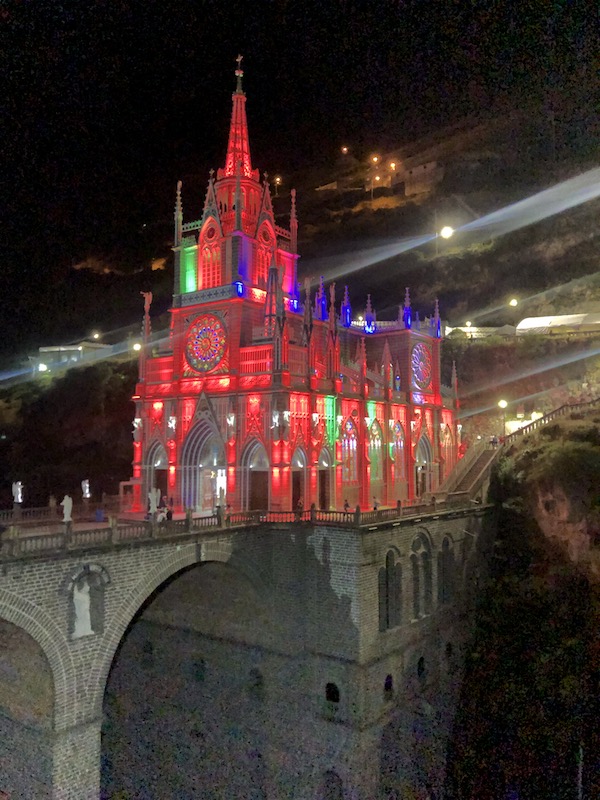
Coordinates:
(268, 395)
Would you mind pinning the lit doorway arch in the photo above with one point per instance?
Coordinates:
(298, 477)
(423, 467)
(204, 475)
(156, 469)
(255, 477)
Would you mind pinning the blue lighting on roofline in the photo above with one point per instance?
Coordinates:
(239, 288)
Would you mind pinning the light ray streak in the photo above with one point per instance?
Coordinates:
(544, 204)
(473, 412)
(547, 203)
(547, 294)
(544, 366)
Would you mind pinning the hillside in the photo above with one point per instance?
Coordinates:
(530, 693)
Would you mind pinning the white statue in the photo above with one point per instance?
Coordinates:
(17, 490)
(67, 504)
(154, 499)
(81, 603)
(85, 489)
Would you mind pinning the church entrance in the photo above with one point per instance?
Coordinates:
(204, 482)
(156, 471)
(298, 475)
(423, 467)
(255, 478)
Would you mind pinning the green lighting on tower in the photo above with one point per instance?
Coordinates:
(188, 273)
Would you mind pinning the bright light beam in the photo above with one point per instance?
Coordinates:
(344, 264)
(549, 202)
(567, 194)
(544, 366)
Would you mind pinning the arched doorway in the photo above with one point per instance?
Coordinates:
(157, 465)
(423, 467)
(325, 465)
(27, 703)
(184, 705)
(255, 477)
(447, 452)
(298, 477)
(204, 476)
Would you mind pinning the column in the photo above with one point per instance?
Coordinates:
(76, 762)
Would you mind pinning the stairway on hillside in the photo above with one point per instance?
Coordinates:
(481, 464)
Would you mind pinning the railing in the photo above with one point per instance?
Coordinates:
(562, 411)
(463, 466)
(25, 517)
(15, 544)
(258, 358)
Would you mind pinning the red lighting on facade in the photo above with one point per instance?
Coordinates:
(260, 406)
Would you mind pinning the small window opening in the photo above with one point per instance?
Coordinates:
(421, 668)
(332, 693)
(198, 670)
(388, 687)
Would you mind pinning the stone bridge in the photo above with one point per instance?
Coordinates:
(266, 655)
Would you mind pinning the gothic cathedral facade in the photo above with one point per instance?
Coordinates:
(268, 397)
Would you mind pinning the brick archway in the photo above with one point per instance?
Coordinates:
(45, 632)
(177, 561)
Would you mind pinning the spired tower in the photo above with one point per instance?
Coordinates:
(264, 397)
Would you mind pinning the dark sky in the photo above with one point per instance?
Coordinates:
(106, 103)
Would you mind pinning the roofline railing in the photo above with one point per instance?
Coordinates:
(15, 544)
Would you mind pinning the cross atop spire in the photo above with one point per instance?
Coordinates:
(238, 147)
(239, 74)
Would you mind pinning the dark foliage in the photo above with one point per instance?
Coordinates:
(68, 428)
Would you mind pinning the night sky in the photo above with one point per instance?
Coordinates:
(107, 103)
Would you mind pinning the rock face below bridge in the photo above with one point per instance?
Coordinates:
(277, 661)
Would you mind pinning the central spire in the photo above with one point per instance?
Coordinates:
(238, 148)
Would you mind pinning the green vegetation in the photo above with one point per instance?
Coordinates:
(530, 696)
(60, 430)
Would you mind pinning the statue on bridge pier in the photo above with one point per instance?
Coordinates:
(81, 603)
(17, 490)
(67, 504)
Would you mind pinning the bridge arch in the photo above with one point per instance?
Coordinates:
(177, 561)
(46, 633)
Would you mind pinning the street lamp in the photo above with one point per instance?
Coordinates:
(446, 232)
(502, 404)
(344, 150)
(277, 184)
(514, 302)
(377, 178)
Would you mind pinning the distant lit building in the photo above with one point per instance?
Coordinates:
(67, 355)
(273, 397)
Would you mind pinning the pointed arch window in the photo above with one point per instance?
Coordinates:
(210, 266)
(420, 561)
(261, 270)
(375, 453)
(446, 571)
(349, 453)
(399, 452)
(390, 593)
